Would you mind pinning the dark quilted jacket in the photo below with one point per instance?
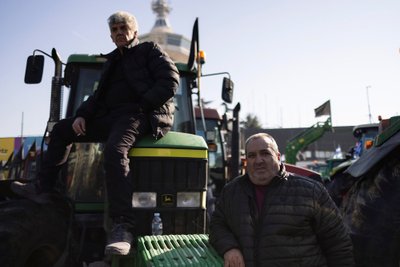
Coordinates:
(152, 75)
(298, 226)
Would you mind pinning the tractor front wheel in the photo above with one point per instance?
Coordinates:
(33, 234)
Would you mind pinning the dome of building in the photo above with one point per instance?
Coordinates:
(176, 45)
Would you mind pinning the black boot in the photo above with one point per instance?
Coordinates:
(120, 238)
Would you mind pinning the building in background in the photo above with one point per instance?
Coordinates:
(176, 45)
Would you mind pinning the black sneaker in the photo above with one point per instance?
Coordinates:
(119, 241)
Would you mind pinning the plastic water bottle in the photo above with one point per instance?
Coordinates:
(156, 225)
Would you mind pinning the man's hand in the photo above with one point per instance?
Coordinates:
(233, 258)
(79, 126)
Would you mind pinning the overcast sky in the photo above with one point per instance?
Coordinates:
(286, 57)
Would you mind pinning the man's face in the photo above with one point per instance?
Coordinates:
(263, 162)
(121, 34)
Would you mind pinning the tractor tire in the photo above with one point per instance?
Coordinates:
(33, 234)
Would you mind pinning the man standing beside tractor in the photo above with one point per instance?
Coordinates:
(269, 217)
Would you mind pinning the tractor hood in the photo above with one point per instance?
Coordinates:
(373, 155)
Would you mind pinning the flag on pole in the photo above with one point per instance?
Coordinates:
(324, 109)
(194, 45)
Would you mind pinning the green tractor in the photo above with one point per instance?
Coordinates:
(306, 137)
(170, 177)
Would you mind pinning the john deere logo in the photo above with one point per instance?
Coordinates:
(167, 200)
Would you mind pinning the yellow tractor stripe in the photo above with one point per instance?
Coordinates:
(168, 152)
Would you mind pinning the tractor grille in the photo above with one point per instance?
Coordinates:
(167, 177)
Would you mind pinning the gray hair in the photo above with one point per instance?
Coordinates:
(123, 17)
(263, 136)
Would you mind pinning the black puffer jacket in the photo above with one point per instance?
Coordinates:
(298, 226)
(154, 78)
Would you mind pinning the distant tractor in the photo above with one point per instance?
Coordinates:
(303, 139)
(338, 182)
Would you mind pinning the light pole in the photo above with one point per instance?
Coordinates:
(369, 107)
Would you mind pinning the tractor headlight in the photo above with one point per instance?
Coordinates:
(144, 200)
(188, 199)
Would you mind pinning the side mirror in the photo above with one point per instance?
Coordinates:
(227, 90)
(34, 69)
